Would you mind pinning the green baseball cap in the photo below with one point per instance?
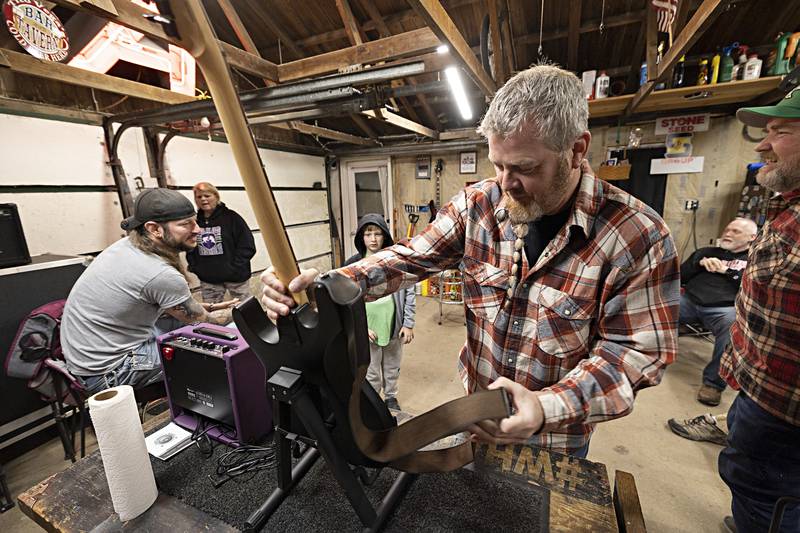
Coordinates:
(788, 107)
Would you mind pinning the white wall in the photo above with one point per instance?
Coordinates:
(71, 210)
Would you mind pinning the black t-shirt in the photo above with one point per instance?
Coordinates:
(541, 232)
(712, 289)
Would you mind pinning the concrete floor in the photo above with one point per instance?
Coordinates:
(677, 479)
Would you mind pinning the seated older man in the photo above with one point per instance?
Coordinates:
(711, 277)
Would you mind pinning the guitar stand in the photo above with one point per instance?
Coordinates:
(290, 396)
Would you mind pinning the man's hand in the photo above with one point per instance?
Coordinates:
(712, 264)
(276, 298)
(372, 336)
(527, 419)
(407, 334)
(220, 305)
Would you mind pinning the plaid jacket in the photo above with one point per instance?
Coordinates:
(764, 356)
(590, 323)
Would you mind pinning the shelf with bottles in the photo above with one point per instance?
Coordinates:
(693, 97)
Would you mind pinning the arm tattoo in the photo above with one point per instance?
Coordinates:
(190, 309)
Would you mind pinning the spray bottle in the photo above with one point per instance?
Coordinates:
(738, 69)
(726, 64)
(776, 65)
(792, 51)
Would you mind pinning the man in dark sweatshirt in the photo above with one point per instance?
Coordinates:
(390, 319)
(711, 277)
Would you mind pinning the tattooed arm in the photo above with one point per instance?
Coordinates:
(191, 311)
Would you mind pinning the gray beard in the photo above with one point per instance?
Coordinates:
(519, 213)
(779, 181)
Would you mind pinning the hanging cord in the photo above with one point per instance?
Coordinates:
(603, 17)
(541, 26)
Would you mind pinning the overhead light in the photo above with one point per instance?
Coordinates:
(454, 79)
(442, 49)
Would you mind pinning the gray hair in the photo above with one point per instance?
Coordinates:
(544, 101)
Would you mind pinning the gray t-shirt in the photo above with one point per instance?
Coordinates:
(114, 305)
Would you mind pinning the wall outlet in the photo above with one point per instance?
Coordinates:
(691, 205)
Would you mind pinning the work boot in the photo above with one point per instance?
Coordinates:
(700, 428)
(729, 524)
(708, 395)
(391, 403)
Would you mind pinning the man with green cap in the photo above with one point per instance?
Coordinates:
(114, 312)
(761, 462)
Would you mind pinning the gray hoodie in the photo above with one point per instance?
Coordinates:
(405, 300)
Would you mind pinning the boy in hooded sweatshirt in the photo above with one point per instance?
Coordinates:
(390, 319)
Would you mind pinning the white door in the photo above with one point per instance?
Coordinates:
(366, 188)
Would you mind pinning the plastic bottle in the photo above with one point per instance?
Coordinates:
(601, 85)
(738, 69)
(726, 64)
(776, 64)
(659, 56)
(678, 74)
(702, 74)
(588, 78)
(715, 61)
(752, 69)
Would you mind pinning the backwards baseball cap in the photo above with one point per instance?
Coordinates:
(158, 205)
(788, 107)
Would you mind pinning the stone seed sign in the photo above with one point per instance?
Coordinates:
(36, 29)
(683, 124)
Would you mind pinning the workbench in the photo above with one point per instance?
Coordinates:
(575, 496)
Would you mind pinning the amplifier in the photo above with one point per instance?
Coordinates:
(215, 381)
(13, 248)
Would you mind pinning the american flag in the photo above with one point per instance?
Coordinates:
(666, 10)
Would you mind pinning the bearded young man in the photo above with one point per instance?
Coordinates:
(114, 312)
(761, 462)
(570, 285)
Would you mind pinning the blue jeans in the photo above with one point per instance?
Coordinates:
(139, 368)
(760, 464)
(718, 320)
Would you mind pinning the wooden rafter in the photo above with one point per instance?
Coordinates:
(286, 41)
(498, 59)
(361, 122)
(651, 44)
(588, 26)
(351, 27)
(326, 133)
(132, 15)
(242, 33)
(376, 18)
(414, 42)
(26, 64)
(574, 33)
(426, 106)
(403, 122)
(443, 26)
(702, 19)
(508, 42)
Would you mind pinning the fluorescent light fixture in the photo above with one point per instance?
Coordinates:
(442, 49)
(454, 79)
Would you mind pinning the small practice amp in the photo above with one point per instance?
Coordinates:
(215, 383)
(13, 247)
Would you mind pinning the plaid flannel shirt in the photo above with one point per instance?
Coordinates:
(764, 355)
(592, 322)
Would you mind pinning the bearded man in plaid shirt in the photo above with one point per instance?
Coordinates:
(571, 286)
(761, 463)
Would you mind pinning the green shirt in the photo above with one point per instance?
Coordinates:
(380, 318)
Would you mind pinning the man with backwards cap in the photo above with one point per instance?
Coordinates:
(761, 462)
(114, 312)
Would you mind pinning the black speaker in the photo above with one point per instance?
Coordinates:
(13, 248)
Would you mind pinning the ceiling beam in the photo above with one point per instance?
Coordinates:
(326, 133)
(632, 17)
(26, 64)
(414, 42)
(403, 122)
(285, 40)
(243, 36)
(426, 106)
(498, 59)
(376, 18)
(361, 122)
(350, 23)
(702, 19)
(132, 16)
(443, 26)
(574, 33)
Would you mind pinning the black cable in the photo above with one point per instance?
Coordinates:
(246, 459)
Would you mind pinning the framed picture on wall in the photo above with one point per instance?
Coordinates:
(468, 162)
(423, 167)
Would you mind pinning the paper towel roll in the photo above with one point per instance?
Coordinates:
(121, 441)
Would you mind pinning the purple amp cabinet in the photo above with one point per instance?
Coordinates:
(214, 379)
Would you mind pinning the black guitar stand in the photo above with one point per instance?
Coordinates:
(310, 360)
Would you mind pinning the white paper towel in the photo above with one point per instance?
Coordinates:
(121, 441)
